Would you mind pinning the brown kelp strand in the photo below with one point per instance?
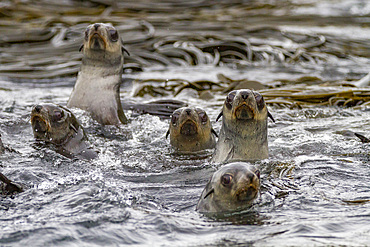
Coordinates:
(304, 91)
(40, 39)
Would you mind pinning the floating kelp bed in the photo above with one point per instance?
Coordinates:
(291, 95)
(298, 54)
(40, 39)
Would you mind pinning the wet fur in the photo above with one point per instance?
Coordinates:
(98, 83)
(218, 198)
(203, 139)
(69, 139)
(242, 139)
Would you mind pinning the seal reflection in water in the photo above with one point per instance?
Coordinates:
(98, 82)
(190, 130)
(243, 134)
(232, 188)
(57, 125)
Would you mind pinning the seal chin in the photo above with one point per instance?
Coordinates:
(189, 128)
(246, 194)
(244, 112)
(39, 124)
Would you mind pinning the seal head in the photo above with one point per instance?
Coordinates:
(57, 125)
(234, 187)
(190, 130)
(98, 82)
(243, 134)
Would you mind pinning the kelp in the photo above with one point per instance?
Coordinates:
(40, 39)
(301, 92)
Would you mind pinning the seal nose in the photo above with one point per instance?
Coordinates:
(96, 26)
(244, 94)
(188, 111)
(38, 108)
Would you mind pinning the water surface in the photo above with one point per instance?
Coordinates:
(315, 185)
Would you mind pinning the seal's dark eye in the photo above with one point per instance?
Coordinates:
(203, 117)
(229, 100)
(86, 34)
(226, 179)
(113, 35)
(259, 100)
(175, 118)
(58, 115)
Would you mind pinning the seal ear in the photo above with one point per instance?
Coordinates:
(209, 192)
(214, 132)
(362, 138)
(270, 116)
(168, 133)
(124, 50)
(219, 115)
(81, 47)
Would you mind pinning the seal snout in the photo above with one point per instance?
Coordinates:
(188, 111)
(247, 194)
(244, 112)
(189, 128)
(96, 26)
(248, 188)
(38, 108)
(244, 94)
(39, 124)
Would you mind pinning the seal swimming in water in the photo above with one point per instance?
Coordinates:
(190, 130)
(232, 188)
(243, 134)
(57, 125)
(98, 82)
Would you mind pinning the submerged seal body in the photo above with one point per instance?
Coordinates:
(190, 130)
(243, 134)
(98, 82)
(57, 125)
(232, 188)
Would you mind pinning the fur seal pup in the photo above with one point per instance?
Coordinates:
(232, 188)
(190, 130)
(57, 125)
(243, 134)
(98, 82)
(9, 187)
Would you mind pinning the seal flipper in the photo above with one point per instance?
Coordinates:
(121, 115)
(81, 48)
